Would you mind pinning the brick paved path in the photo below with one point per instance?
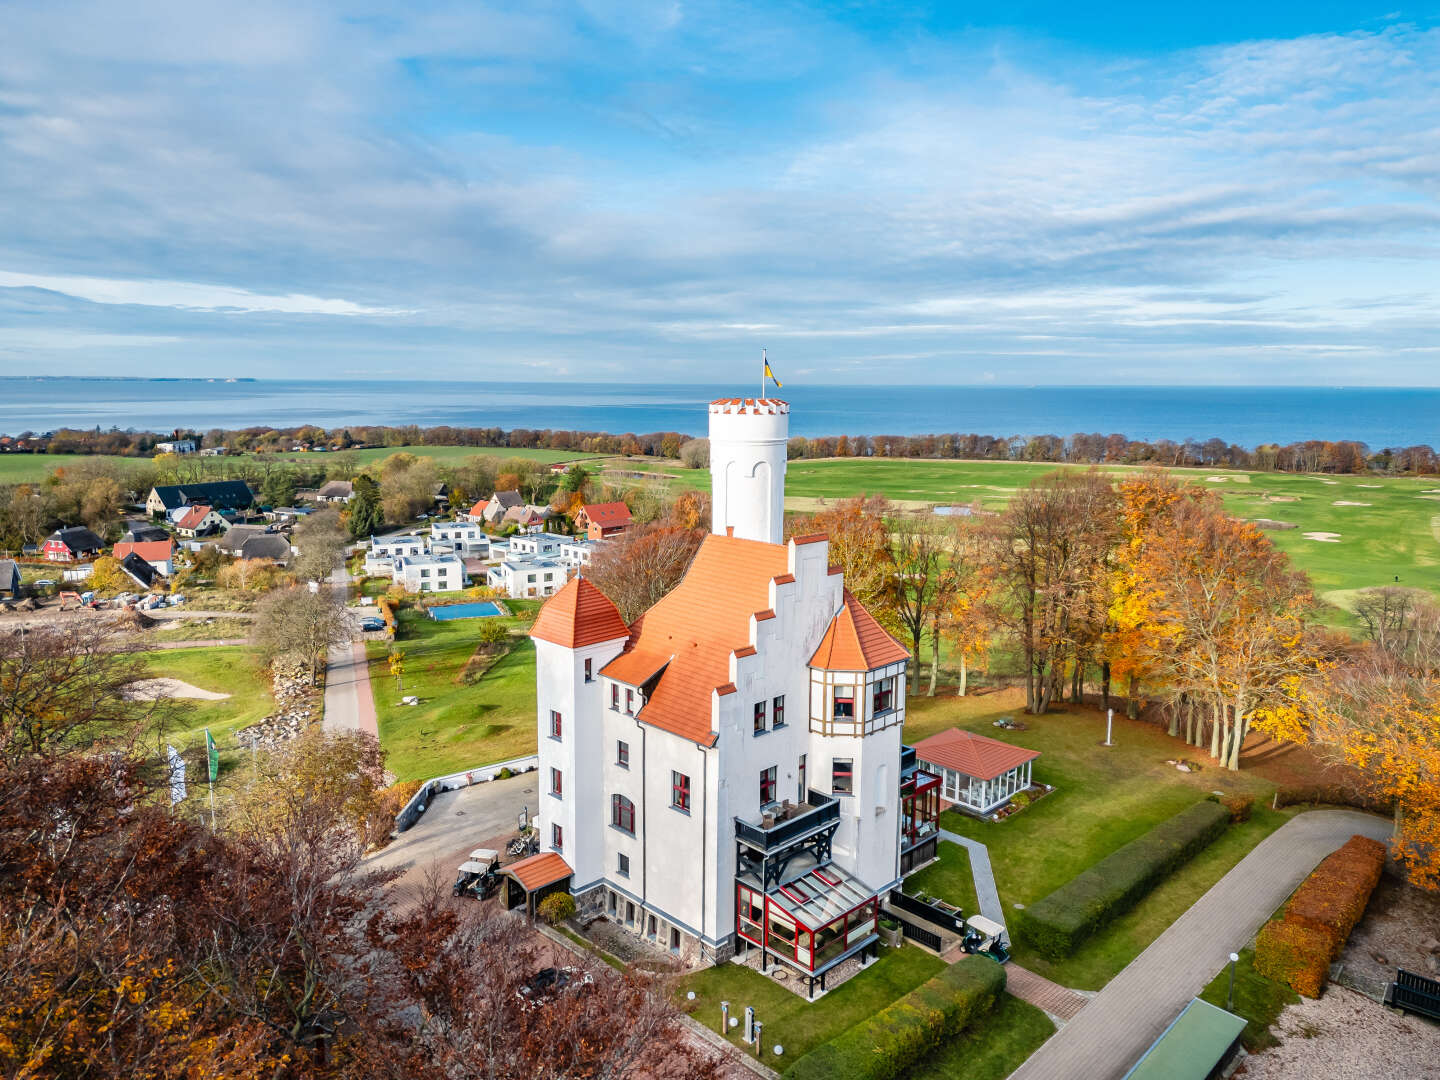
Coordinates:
(1060, 1002)
(1116, 1026)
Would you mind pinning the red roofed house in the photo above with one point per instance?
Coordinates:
(600, 520)
(726, 773)
(160, 554)
(198, 520)
(979, 773)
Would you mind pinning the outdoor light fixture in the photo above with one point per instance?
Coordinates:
(1230, 994)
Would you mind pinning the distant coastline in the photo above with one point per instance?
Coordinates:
(1379, 417)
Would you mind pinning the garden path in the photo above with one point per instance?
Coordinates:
(986, 892)
(1119, 1023)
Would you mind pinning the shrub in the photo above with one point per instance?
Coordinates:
(1239, 807)
(1333, 795)
(505, 773)
(1020, 800)
(1333, 898)
(1294, 954)
(557, 907)
(387, 612)
(885, 1045)
(1057, 924)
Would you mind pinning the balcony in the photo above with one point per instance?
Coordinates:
(789, 822)
(907, 759)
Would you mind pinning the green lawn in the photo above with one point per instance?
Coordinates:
(32, 468)
(232, 670)
(1257, 999)
(993, 1047)
(456, 726)
(796, 1024)
(1103, 798)
(948, 879)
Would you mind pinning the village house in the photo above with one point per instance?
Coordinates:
(498, 504)
(178, 446)
(726, 775)
(197, 520)
(575, 554)
(466, 538)
(599, 520)
(531, 545)
(158, 554)
(139, 532)
(223, 495)
(141, 572)
(429, 573)
(335, 491)
(527, 518)
(979, 774)
(9, 577)
(72, 544)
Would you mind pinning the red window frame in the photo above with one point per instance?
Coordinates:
(844, 696)
(769, 779)
(848, 773)
(589, 662)
(557, 837)
(622, 753)
(679, 790)
(615, 697)
(629, 702)
(777, 711)
(622, 813)
(557, 724)
(759, 717)
(557, 781)
(883, 699)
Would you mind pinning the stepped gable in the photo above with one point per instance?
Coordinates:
(579, 614)
(692, 631)
(855, 641)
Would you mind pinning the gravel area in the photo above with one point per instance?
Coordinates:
(1346, 1036)
(1399, 920)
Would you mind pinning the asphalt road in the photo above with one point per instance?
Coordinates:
(457, 822)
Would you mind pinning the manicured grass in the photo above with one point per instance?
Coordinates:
(1257, 999)
(796, 1024)
(1104, 797)
(948, 879)
(32, 468)
(456, 726)
(993, 1048)
(233, 670)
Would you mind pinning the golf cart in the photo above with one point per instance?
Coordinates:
(479, 877)
(986, 937)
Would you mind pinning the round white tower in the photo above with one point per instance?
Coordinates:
(748, 439)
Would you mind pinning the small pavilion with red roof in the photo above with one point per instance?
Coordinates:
(977, 773)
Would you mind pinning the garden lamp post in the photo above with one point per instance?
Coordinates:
(1230, 993)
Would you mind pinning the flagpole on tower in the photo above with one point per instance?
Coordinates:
(764, 367)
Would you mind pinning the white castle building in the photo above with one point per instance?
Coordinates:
(727, 772)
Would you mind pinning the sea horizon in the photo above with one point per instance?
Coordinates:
(1379, 416)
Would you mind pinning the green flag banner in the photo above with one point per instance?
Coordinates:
(212, 754)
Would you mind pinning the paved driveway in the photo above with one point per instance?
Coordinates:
(1122, 1020)
(456, 823)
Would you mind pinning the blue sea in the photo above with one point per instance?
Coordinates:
(1379, 417)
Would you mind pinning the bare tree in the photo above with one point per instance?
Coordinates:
(642, 564)
(1402, 622)
(320, 540)
(297, 623)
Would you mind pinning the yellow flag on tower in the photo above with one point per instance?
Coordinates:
(771, 376)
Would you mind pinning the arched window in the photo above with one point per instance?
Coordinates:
(622, 813)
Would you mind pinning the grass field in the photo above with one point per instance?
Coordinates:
(1103, 798)
(456, 725)
(949, 878)
(1257, 999)
(993, 1047)
(232, 670)
(789, 1019)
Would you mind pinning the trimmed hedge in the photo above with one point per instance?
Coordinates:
(1057, 924)
(885, 1045)
(1294, 954)
(1333, 898)
(1333, 795)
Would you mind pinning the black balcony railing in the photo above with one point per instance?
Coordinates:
(907, 758)
(818, 810)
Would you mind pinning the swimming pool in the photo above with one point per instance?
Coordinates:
(479, 609)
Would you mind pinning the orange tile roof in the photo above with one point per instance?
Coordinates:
(152, 551)
(974, 755)
(854, 641)
(635, 667)
(698, 624)
(192, 517)
(537, 871)
(607, 515)
(579, 614)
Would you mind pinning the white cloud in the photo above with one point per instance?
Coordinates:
(186, 296)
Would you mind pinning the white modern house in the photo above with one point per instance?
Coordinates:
(466, 538)
(524, 576)
(429, 573)
(538, 544)
(727, 774)
(576, 553)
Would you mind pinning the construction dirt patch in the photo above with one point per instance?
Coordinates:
(166, 687)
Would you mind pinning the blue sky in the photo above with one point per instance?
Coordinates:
(1019, 193)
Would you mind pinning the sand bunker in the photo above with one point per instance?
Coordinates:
(1323, 537)
(1271, 523)
(1217, 479)
(1282, 498)
(1370, 485)
(1347, 502)
(154, 689)
(1331, 482)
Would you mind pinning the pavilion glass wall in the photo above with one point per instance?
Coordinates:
(787, 938)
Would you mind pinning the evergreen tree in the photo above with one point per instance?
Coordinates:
(364, 510)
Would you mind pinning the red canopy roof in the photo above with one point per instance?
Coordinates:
(539, 870)
(974, 755)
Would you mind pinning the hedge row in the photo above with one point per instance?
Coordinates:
(1293, 954)
(387, 612)
(1333, 795)
(1059, 923)
(1298, 948)
(887, 1044)
(1333, 897)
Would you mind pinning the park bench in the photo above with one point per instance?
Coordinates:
(1412, 993)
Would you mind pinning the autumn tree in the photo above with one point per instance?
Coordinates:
(969, 625)
(320, 541)
(642, 564)
(860, 547)
(407, 486)
(296, 623)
